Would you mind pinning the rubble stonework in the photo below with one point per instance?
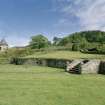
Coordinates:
(84, 67)
(90, 67)
(78, 66)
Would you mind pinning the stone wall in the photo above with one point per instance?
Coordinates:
(71, 65)
(56, 63)
(86, 67)
(102, 67)
(90, 67)
(78, 66)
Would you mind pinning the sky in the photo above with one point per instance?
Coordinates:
(21, 19)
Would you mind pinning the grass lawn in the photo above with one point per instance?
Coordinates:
(30, 85)
(66, 55)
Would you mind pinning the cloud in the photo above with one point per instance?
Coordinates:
(88, 14)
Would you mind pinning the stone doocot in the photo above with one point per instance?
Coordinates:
(3, 45)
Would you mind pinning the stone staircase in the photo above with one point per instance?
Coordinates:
(76, 69)
(75, 66)
(83, 66)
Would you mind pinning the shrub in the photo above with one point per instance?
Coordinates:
(75, 47)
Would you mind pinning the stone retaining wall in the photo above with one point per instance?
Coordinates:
(84, 66)
(56, 63)
(102, 67)
(90, 67)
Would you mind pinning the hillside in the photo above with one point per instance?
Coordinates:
(83, 37)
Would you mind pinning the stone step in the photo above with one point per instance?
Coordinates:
(74, 64)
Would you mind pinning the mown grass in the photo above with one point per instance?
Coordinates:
(32, 85)
(66, 55)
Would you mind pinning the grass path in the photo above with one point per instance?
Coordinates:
(30, 85)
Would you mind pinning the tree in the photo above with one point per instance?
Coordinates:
(56, 40)
(64, 41)
(83, 44)
(75, 47)
(39, 41)
(89, 36)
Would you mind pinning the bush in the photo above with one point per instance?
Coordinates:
(39, 41)
(75, 47)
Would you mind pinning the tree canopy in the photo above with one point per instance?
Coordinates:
(87, 36)
(39, 41)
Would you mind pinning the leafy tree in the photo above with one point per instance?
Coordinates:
(75, 47)
(64, 41)
(83, 43)
(39, 41)
(56, 40)
(88, 36)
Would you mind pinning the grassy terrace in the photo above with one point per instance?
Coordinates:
(30, 85)
(66, 55)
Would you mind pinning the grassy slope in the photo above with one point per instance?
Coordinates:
(67, 55)
(30, 85)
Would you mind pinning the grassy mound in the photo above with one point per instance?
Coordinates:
(65, 55)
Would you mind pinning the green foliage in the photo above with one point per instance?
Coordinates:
(86, 40)
(84, 44)
(64, 41)
(39, 41)
(87, 36)
(16, 52)
(56, 40)
(75, 47)
(101, 49)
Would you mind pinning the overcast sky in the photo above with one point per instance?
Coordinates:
(21, 19)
